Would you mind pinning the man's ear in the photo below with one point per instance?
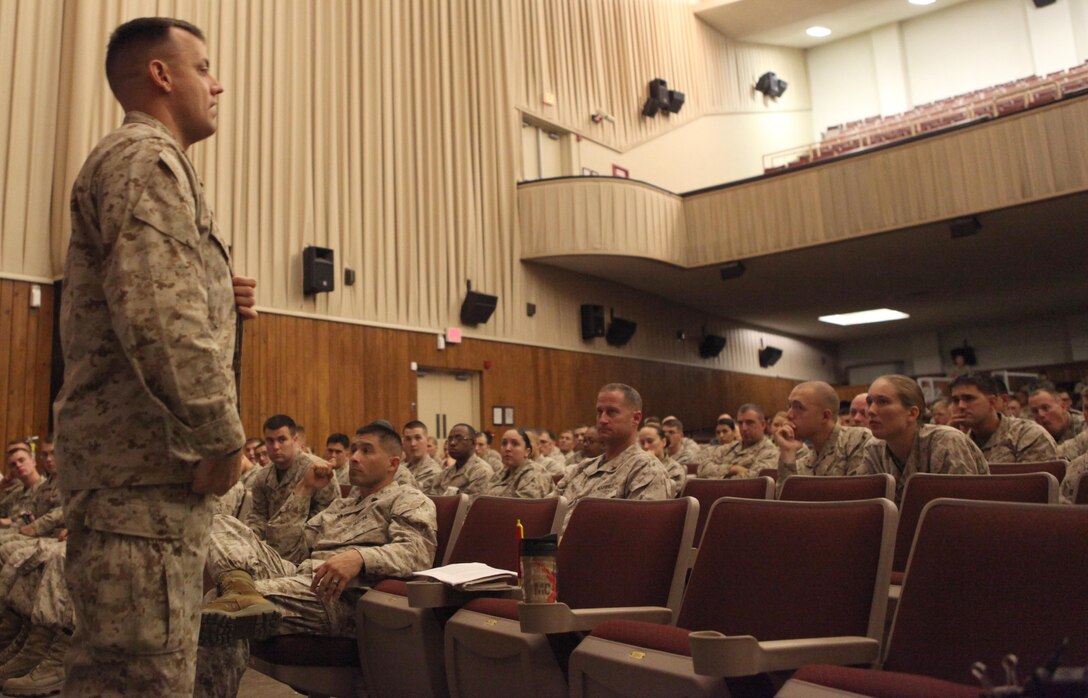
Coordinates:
(159, 73)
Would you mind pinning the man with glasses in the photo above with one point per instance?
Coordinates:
(469, 473)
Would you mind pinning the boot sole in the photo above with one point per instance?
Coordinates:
(254, 623)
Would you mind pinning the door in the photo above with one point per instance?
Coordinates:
(444, 399)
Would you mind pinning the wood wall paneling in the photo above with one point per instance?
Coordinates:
(25, 355)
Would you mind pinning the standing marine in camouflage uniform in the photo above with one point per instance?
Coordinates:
(624, 470)
(384, 530)
(813, 442)
(147, 418)
(747, 456)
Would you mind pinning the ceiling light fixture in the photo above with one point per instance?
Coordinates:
(864, 317)
(820, 32)
(921, 2)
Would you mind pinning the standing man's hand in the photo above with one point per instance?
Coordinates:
(245, 296)
(217, 475)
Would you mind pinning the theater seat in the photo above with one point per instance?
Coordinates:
(707, 491)
(922, 488)
(800, 488)
(785, 550)
(400, 646)
(1054, 467)
(331, 665)
(984, 579)
(618, 558)
(1081, 489)
(815, 680)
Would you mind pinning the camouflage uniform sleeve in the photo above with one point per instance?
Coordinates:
(868, 462)
(534, 483)
(413, 539)
(1076, 466)
(324, 497)
(159, 315)
(1037, 445)
(289, 531)
(405, 477)
(255, 513)
(854, 457)
(427, 480)
(648, 480)
(1072, 448)
(959, 456)
(53, 520)
(478, 480)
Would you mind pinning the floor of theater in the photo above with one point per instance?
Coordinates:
(257, 685)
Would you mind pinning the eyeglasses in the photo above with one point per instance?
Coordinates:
(458, 437)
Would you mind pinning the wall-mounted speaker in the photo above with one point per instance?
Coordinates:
(771, 85)
(317, 270)
(676, 101)
(711, 346)
(478, 307)
(1043, 3)
(769, 356)
(592, 321)
(620, 332)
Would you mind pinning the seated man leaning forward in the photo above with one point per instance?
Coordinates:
(812, 442)
(383, 530)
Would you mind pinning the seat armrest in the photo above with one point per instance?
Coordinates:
(714, 654)
(430, 594)
(561, 618)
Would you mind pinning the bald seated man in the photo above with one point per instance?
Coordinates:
(859, 411)
(813, 419)
(744, 458)
(623, 470)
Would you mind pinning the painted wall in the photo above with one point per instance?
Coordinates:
(713, 149)
(965, 47)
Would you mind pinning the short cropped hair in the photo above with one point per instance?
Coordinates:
(388, 438)
(338, 438)
(414, 424)
(279, 421)
(752, 407)
(631, 398)
(471, 429)
(130, 41)
(673, 422)
(985, 384)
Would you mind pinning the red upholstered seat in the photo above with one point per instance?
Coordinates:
(500, 608)
(1081, 488)
(488, 534)
(769, 472)
(308, 650)
(709, 491)
(393, 586)
(837, 489)
(1054, 467)
(882, 684)
(923, 488)
(446, 509)
(664, 638)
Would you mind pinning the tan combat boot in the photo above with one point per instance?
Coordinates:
(16, 644)
(10, 625)
(45, 679)
(240, 612)
(33, 652)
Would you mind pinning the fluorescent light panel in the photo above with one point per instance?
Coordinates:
(864, 317)
(921, 2)
(818, 31)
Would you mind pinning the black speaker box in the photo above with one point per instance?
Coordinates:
(676, 101)
(478, 307)
(711, 346)
(659, 90)
(620, 332)
(769, 356)
(592, 321)
(317, 270)
(1043, 3)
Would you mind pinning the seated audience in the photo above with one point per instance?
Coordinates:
(251, 449)
(780, 419)
(859, 411)
(469, 474)
(623, 471)
(680, 449)
(432, 448)
(336, 455)
(271, 487)
(485, 452)
(725, 432)
(941, 413)
(565, 444)
(548, 454)
(744, 458)
(812, 442)
(1001, 439)
(384, 530)
(905, 444)
(520, 476)
(1048, 411)
(653, 439)
(426, 471)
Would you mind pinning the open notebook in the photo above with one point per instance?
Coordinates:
(471, 576)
